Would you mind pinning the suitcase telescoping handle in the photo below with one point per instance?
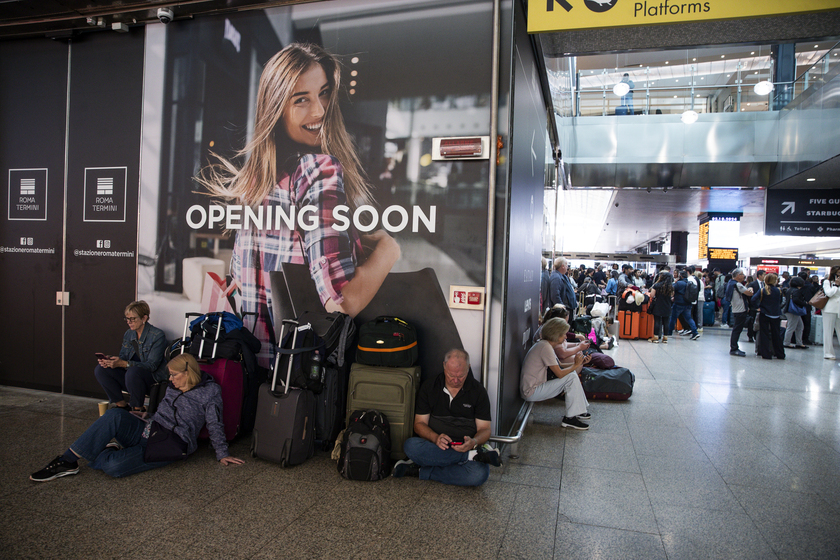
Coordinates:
(292, 325)
(184, 338)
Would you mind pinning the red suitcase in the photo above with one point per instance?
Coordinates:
(230, 377)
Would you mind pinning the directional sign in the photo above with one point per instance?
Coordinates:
(803, 212)
(562, 15)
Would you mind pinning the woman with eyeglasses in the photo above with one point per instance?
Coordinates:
(192, 400)
(140, 363)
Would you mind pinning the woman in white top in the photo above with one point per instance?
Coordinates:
(831, 287)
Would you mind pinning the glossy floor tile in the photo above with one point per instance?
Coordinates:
(714, 456)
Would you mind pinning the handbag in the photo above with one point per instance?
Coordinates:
(819, 300)
(164, 445)
(756, 325)
(796, 310)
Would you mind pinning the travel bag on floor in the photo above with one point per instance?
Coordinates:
(366, 449)
(629, 323)
(284, 430)
(389, 390)
(708, 313)
(387, 341)
(227, 372)
(614, 384)
(331, 401)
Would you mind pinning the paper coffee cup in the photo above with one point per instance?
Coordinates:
(103, 408)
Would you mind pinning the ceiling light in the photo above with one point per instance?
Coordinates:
(689, 117)
(723, 56)
(621, 88)
(354, 73)
(354, 60)
(763, 88)
(811, 179)
(693, 60)
(666, 62)
(816, 46)
(752, 52)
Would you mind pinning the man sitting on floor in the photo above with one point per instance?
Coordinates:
(452, 420)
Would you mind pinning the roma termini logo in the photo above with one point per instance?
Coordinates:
(600, 6)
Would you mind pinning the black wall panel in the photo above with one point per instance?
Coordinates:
(106, 88)
(33, 95)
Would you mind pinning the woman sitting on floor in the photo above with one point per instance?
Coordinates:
(192, 400)
(535, 384)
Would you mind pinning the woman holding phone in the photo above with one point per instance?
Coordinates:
(139, 364)
(301, 156)
(831, 287)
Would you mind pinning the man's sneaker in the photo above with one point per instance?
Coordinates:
(685, 332)
(573, 423)
(58, 467)
(585, 416)
(486, 454)
(696, 336)
(406, 467)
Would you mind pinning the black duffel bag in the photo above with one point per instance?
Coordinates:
(387, 341)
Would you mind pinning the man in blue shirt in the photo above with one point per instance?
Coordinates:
(682, 307)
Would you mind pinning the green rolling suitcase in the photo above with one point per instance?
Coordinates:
(389, 390)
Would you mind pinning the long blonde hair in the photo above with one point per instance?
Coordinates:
(256, 179)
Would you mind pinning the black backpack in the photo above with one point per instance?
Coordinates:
(692, 291)
(366, 449)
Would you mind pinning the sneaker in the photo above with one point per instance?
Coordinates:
(654, 340)
(737, 353)
(488, 455)
(573, 423)
(685, 332)
(585, 416)
(406, 467)
(57, 468)
(696, 336)
(664, 340)
(114, 445)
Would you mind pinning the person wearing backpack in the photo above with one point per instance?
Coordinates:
(682, 307)
(738, 296)
(692, 295)
(452, 423)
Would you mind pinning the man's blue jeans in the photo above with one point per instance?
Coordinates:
(446, 466)
(682, 311)
(127, 429)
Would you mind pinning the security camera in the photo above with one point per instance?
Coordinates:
(165, 15)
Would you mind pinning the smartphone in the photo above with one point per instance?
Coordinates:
(455, 443)
(101, 356)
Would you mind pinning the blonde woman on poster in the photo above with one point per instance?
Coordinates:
(301, 163)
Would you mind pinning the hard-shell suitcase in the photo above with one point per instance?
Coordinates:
(629, 321)
(389, 390)
(284, 430)
(817, 329)
(230, 377)
(708, 313)
(330, 402)
(645, 323)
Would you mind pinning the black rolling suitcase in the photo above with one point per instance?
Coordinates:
(284, 430)
(331, 401)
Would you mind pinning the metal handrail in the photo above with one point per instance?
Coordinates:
(527, 406)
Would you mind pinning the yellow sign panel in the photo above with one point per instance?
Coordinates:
(703, 242)
(563, 15)
(718, 254)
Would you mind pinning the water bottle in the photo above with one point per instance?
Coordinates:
(315, 367)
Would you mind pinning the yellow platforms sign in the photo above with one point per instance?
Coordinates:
(564, 15)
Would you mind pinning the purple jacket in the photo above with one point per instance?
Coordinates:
(186, 413)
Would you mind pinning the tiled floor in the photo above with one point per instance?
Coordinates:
(713, 457)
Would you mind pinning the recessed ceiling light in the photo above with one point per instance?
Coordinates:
(723, 56)
(666, 62)
(816, 46)
(677, 81)
(675, 97)
(354, 73)
(352, 92)
(354, 60)
(693, 60)
(811, 179)
(353, 83)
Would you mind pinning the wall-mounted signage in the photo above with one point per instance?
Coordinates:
(802, 212)
(461, 147)
(723, 254)
(563, 15)
(703, 241)
(27, 194)
(105, 194)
